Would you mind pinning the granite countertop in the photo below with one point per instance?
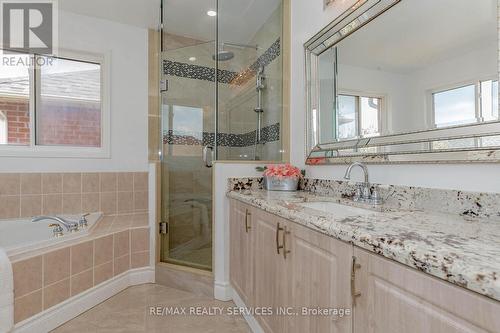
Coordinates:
(462, 250)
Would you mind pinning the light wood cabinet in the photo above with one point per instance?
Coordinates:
(291, 268)
(241, 255)
(270, 273)
(277, 264)
(395, 298)
(318, 274)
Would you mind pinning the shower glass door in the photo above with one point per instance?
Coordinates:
(221, 66)
(188, 127)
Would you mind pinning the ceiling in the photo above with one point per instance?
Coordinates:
(239, 20)
(140, 13)
(415, 34)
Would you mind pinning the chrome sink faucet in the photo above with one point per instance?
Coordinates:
(69, 225)
(363, 191)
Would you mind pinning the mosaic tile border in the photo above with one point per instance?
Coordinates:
(269, 134)
(204, 73)
(196, 72)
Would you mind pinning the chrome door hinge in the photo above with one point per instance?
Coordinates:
(163, 85)
(163, 228)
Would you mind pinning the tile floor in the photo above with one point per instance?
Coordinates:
(128, 311)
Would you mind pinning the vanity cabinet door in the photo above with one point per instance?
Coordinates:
(240, 255)
(270, 274)
(318, 269)
(395, 298)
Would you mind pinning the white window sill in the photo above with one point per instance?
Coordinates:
(54, 152)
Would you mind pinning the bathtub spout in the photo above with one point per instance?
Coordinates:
(70, 226)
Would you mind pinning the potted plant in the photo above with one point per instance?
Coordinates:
(281, 177)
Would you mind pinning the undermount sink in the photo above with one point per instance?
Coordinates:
(338, 210)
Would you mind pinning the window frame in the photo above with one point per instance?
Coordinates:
(358, 95)
(68, 151)
(478, 142)
(445, 88)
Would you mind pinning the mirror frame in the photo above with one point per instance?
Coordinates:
(353, 19)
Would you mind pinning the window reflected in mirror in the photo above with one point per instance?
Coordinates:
(400, 70)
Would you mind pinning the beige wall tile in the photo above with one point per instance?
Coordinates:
(56, 266)
(121, 265)
(108, 182)
(10, 184)
(103, 272)
(31, 205)
(125, 181)
(72, 203)
(103, 250)
(140, 259)
(82, 282)
(27, 276)
(139, 240)
(140, 220)
(125, 202)
(121, 244)
(51, 183)
(27, 306)
(140, 201)
(56, 293)
(10, 206)
(90, 202)
(140, 181)
(108, 202)
(82, 257)
(31, 183)
(52, 204)
(90, 182)
(72, 183)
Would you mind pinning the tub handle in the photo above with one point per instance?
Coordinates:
(83, 223)
(57, 230)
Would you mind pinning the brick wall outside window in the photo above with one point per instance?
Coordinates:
(61, 122)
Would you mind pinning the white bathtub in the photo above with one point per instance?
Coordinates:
(17, 236)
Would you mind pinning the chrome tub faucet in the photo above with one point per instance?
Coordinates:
(69, 225)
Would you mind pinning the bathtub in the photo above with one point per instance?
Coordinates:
(20, 235)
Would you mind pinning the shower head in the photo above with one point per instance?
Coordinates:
(223, 55)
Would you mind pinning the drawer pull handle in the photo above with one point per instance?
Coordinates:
(247, 225)
(278, 246)
(354, 267)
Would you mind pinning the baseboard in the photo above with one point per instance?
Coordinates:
(51, 318)
(223, 291)
(251, 321)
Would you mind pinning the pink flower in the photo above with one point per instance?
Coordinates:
(282, 171)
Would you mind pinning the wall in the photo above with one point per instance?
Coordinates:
(307, 19)
(17, 112)
(32, 194)
(128, 50)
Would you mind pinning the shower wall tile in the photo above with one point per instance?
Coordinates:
(32, 194)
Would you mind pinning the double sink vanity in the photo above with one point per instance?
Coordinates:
(358, 267)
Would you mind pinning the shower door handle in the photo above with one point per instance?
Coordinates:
(208, 150)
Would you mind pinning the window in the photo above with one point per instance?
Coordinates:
(3, 128)
(476, 102)
(52, 101)
(358, 116)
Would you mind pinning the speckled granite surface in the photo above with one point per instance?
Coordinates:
(399, 197)
(463, 250)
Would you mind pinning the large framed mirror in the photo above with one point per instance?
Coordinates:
(405, 81)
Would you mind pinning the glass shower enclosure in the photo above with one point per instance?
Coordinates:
(221, 99)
